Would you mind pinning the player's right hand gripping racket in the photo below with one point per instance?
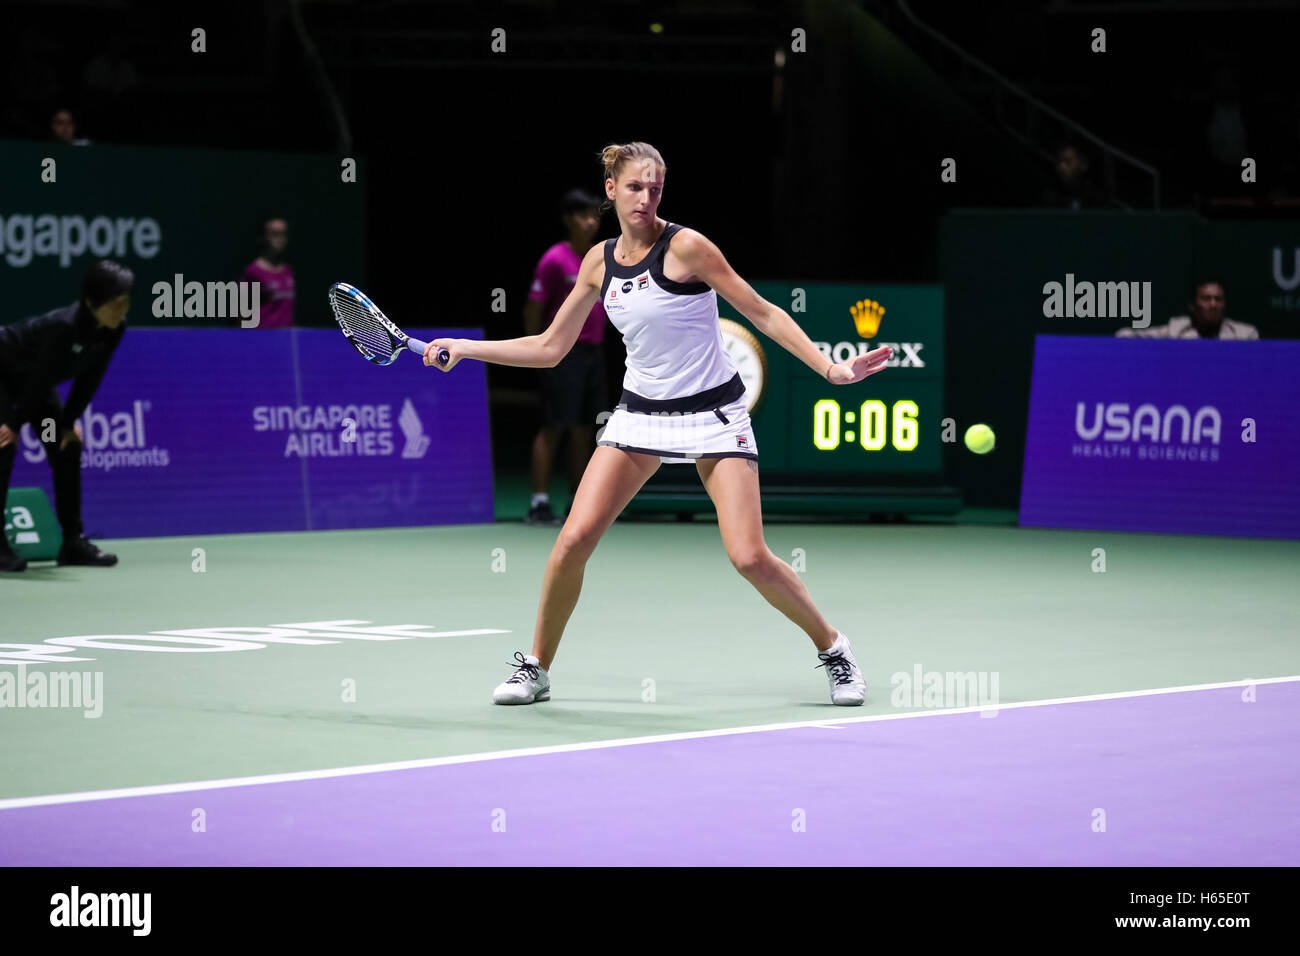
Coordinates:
(372, 333)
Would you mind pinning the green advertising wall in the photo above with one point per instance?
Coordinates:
(994, 265)
(168, 211)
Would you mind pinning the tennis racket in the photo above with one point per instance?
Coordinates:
(371, 332)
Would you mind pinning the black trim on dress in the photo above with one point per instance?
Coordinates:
(667, 284)
(710, 399)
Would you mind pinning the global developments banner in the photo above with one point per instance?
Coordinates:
(1190, 437)
(221, 430)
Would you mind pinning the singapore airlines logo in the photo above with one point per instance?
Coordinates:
(417, 442)
(866, 317)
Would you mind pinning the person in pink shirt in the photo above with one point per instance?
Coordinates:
(574, 392)
(275, 275)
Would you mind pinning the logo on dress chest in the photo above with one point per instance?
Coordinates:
(642, 282)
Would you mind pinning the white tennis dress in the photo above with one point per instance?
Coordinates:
(682, 397)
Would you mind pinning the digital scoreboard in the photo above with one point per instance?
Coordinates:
(887, 425)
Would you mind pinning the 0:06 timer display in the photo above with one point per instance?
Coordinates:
(873, 425)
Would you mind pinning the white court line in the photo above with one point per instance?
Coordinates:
(165, 788)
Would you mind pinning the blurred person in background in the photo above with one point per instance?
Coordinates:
(275, 276)
(75, 342)
(63, 128)
(1072, 187)
(109, 84)
(1225, 135)
(1206, 318)
(110, 73)
(574, 392)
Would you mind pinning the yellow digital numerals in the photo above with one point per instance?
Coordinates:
(868, 425)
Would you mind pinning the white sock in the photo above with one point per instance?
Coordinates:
(540, 498)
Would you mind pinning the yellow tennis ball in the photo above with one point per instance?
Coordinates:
(656, 28)
(979, 439)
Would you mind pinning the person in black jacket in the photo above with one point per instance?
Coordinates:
(75, 342)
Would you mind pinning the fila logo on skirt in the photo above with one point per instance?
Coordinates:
(742, 441)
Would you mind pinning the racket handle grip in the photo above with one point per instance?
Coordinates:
(415, 345)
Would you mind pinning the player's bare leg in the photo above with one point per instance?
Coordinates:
(732, 483)
(581, 441)
(612, 479)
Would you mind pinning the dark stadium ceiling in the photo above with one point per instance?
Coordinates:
(697, 36)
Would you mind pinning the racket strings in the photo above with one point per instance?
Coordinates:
(365, 327)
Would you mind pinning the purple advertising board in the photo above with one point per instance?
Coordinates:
(1182, 436)
(197, 431)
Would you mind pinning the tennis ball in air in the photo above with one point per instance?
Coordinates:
(979, 439)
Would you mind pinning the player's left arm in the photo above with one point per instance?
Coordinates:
(706, 262)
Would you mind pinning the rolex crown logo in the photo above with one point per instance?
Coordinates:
(866, 317)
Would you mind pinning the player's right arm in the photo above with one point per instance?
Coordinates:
(535, 351)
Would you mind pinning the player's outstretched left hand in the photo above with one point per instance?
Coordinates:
(431, 353)
(847, 373)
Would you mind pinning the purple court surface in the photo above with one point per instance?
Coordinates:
(1199, 778)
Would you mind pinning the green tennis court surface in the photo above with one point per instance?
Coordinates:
(666, 639)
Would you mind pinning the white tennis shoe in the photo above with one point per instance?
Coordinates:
(848, 686)
(529, 684)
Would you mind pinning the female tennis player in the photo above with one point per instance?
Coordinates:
(683, 401)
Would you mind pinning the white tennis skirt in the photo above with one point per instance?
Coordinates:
(682, 437)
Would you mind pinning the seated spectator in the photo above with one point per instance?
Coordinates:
(1206, 319)
(1072, 188)
(63, 127)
